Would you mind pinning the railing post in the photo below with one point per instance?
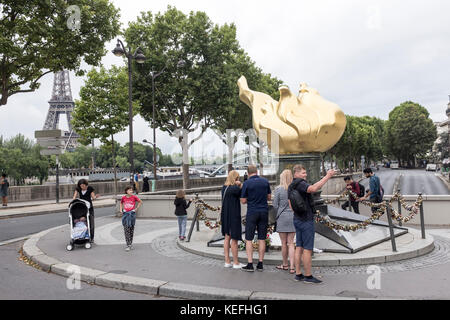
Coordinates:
(191, 228)
(349, 202)
(391, 227)
(422, 221)
(399, 207)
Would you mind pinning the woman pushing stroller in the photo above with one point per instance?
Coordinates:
(85, 192)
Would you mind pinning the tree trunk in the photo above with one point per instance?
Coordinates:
(230, 157)
(185, 150)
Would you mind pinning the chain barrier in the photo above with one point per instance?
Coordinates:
(379, 210)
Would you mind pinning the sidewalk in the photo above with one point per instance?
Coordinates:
(29, 208)
(158, 265)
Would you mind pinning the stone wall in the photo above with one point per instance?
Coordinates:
(169, 186)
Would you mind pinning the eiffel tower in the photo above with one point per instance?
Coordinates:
(62, 103)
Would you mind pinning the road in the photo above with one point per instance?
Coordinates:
(14, 228)
(411, 182)
(36, 284)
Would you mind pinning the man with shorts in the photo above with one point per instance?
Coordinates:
(255, 193)
(304, 222)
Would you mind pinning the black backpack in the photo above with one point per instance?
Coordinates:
(362, 190)
(298, 204)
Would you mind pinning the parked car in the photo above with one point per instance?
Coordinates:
(431, 167)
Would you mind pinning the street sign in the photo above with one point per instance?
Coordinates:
(48, 133)
(51, 142)
(49, 152)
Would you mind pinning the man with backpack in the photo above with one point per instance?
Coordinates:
(375, 193)
(301, 202)
(357, 188)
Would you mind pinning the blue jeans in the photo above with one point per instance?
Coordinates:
(182, 225)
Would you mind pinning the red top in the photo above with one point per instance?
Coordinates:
(129, 203)
(355, 188)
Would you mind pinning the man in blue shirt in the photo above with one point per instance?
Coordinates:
(374, 193)
(255, 193)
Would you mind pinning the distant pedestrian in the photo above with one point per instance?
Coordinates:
(230, 216)
(355, 188)
(304, 210)
(180, 211)
(128, 208)
(285, 221)
(85, 192)
(245, 176)
(136, 182)
(4, 186)
(145, 184)
(375, 193)
(255, 193)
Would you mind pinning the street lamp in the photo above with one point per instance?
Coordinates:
(180, 64)
(119, 51)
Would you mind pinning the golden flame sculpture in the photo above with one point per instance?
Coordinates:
(307, 123)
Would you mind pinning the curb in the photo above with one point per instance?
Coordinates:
(444, 181)
(150, 286)
(351, 261)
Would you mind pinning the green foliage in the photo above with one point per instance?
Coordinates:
(20, 159)
(363, 136)
(443, 146)
(102, 110)
(35, 40)
(410, 132)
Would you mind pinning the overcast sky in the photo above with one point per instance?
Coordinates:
(366, 56)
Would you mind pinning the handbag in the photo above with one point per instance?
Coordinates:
(277, 216)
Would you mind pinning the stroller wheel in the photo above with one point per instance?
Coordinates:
(87, 245)
(69, 247)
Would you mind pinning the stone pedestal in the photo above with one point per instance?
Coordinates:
(312, 163)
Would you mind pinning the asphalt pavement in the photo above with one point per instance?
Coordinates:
(14, 228)
(23, 282)
(411, 181)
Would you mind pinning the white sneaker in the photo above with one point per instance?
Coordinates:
(131, 247)
(317, 250)
(227, 265)
(127, 248)
(238, 266)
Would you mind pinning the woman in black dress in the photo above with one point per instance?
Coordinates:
(230, 216)
(86, 192)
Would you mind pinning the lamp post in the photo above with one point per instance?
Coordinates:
(119, 51)
(154, 75)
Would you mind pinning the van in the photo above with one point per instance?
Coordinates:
(394, 164)
(431, 167)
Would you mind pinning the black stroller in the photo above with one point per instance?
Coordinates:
(78, 209)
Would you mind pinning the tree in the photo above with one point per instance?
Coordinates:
(363, 136)
(237, 115)
(410, 132)
(185, 96)
(20, 158)
(102, 110)
(39, 37)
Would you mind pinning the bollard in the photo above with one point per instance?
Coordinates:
(391, 227)
(399, 207)
(422, 221)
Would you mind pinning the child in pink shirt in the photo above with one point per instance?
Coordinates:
(128, 207)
